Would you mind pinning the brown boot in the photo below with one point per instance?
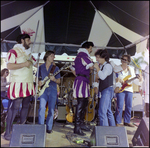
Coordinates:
(128, 124)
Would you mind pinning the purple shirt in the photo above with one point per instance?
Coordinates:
(80, 63)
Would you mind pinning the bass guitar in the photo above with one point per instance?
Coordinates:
(45, 82)
(125, 83)
(90, 114)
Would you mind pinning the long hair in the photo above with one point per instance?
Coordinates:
(3, 71)
(47, 54)
(103, 53)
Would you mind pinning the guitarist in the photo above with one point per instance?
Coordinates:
(127, 94)
(50, 93)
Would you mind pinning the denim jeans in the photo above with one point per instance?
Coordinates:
(3, 96)
(122, 97)
(50, 96)
(106, 117)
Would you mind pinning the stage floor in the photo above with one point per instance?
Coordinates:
(63, 136)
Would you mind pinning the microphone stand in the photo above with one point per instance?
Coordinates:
(36, 87)
(62, 85)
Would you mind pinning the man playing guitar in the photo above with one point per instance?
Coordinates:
(126, 94)
(50, 93)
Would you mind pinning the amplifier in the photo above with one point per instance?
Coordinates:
(31, 111)
(61, 112)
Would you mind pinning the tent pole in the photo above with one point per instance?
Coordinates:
(107, 24)
(24, 21)
(73, 45)
(138, 41)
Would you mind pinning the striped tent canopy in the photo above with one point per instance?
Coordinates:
(118, 26)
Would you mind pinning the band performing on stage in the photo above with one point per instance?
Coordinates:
(94, 87)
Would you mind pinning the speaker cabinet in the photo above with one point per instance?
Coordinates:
(27, 135)
(30, 116)
(109, 136)
(62, 112)
(141, 136)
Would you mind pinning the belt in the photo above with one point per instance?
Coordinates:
(83, 75)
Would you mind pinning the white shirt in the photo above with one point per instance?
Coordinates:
(131, 72)
(107, 70)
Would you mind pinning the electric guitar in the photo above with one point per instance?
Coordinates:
(45, 82)
(125, 83)
(90, 114)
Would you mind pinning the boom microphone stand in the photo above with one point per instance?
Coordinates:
(36, 88)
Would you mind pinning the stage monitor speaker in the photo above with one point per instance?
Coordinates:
(141, 136)
(109, 136)
(28, 135)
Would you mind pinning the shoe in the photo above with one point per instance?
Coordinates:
(7, 137)
(48, 131)
(129, 124)
(79, 132)
(119, 125)
(85, 128)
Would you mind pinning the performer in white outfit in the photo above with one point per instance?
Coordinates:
(21, 86)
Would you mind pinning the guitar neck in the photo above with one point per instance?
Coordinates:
(56, 73)
(94, 97)
(131, 79)
(61, 70)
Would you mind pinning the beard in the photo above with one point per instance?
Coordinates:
(26, 46)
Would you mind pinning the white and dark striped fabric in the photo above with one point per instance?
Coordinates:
(111, 24)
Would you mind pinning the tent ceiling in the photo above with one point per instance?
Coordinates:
(72, 22)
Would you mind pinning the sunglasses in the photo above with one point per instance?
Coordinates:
(124, 59)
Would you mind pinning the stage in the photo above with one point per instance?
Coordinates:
(63, 136)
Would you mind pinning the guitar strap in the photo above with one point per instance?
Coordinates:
(129, 70)
(52, 69)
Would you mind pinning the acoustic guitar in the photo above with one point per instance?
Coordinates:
(90, 114)
(70, 116)
(125, 83)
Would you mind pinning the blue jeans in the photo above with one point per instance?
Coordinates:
(106, 117)
(3, 96)
(50, 96)
(121, 97)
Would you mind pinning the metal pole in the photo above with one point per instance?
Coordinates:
(73, 45)
(34, 39)
(36, 88)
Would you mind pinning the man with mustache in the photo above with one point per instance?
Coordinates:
(21, 87)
